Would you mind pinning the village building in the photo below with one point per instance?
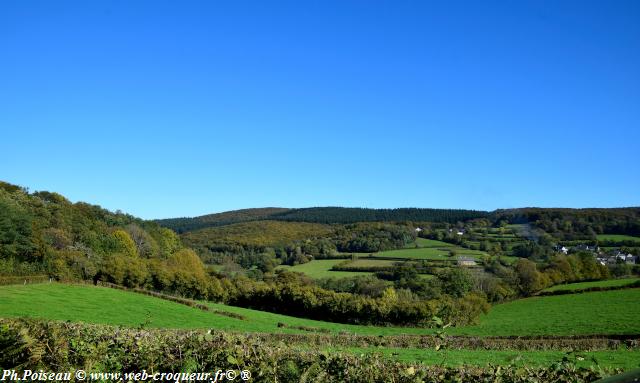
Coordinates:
(466, 261)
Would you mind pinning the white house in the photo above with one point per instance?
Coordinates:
(561, 249)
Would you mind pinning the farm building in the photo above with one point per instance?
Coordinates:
(466, 261)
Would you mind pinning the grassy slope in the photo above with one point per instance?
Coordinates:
(586, 285)
(108, 306)
(321, 268)
(429, 253)
(424, 242)
(608, 312)
(99, 305)
(366, 262)
(416, 253)
(429, 249)
(617, 237)
(626, 359)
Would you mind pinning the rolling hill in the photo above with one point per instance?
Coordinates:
(325, 215)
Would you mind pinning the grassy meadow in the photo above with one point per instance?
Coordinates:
(428, 249)
(367, 262)
(421, 249)
(425, 242)
(609, 312)
(606, 312)
(618, 238)
(427, 253)
(603, 312)
(586, 285)
(321, 268)
(626, 359)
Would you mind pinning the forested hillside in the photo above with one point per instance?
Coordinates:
(44, 233)
(181, 225)
(352, 215)
(571, 224)
(325, 215)
(265, 244)
(560, 222)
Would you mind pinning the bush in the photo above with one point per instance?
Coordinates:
(103, 348)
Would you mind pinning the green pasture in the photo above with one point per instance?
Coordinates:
(424, 242)
(606, 312)
(86, 303)
(602, 312)
(623, 358)
(83, 303)
(372, 262)
(415, 253)
(586, 285)
(321, 268)
(429, 253)
(618, 238)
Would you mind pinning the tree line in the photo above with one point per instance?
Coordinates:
(570, 224)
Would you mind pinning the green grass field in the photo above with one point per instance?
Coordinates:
(321, 268)
(586, 285)
(369, 262)
(99, 305)
(604, 312)
(429, 253)
(597, 312)
(509, 259)
(626, 359)
(618, 238)
(424, 242)
(85, 303)
(607, 312)
(415, 253)
(427, 249)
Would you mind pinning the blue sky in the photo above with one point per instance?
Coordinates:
(183, 108)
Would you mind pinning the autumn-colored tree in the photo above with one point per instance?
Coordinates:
(168, 240)
(124, 243)
(530, 279)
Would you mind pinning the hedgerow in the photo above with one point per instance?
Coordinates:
(60, 347)
(563, 343)
(633, 285)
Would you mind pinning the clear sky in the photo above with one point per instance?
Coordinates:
(183, 108)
